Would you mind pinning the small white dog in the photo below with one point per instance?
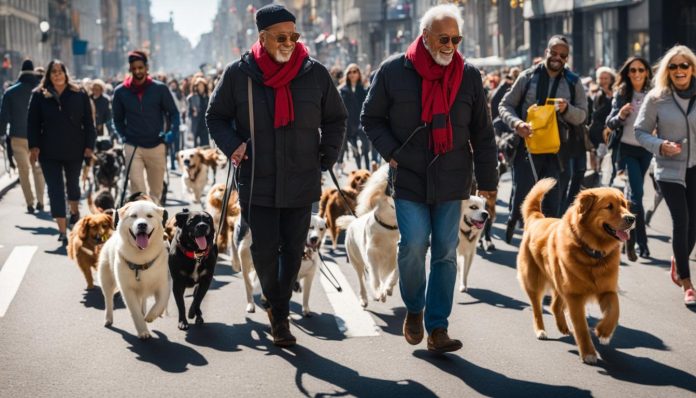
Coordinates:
(194, 173)
(241, 248)
(135, 261)
(372, 237)
(474, 216)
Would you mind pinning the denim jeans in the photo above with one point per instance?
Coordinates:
(571, 180)
(420, 224)
(636, 161)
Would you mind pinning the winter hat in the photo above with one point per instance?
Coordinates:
(27, 65)
(271, 15)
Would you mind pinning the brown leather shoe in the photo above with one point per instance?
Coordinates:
(281, 334)
(413, 327)
(440, 342)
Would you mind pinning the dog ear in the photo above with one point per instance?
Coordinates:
(82, 226)
(181, 218)
(585, 201)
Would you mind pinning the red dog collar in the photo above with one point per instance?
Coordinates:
(193, 255)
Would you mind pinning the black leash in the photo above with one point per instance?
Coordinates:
(340, 191)
(333, 281)
(125, 179)
(225, 198)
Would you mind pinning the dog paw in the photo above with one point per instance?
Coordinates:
(603, 340)
(307, 313)
(144, 335)
(183, 325)
(363, 303)
(462, 288)
(108, 322)
(250, 308)
(590, 359)
(541, 335)
(199, 320)
(390, 291)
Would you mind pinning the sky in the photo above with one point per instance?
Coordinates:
(191, 17)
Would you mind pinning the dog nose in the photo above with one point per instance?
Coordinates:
(629, 219)
(202, 228)
(142, 226)
(484, 216)
(187, 162)
(314, 239)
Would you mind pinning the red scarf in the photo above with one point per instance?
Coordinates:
(278, 76)
(137, 89)
(440, 86)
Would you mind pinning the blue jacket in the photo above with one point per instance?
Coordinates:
(141, 122)
(15, 105)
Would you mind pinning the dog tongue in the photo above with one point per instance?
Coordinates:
(201, 242)
(623, 235)
(478, 224)
(142, 240)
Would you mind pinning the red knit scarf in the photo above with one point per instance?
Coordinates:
(278, 76)
(137, 89)
(440, 85)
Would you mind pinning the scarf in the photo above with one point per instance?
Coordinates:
(278, 76)
(689, 91)
(137, 89)
(440, 86)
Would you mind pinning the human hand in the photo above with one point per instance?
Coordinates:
(669, 148)
(393, 163)
(169, 137)
(239, 154)
(561, 105)
(34, 155)
(523, 129)
(488, 194)
(626, 111)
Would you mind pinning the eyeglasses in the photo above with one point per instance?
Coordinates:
(555, 54)
(446, 39)
(282, 37)
(636, 70)
(682, 66)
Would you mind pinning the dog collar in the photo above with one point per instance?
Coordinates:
(596, 254)
(192, 254)
(140, 267)
(468, 234)
(385, 225)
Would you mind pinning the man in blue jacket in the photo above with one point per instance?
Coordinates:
(140, 106)
(15, 105)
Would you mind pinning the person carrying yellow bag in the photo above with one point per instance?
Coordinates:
(549, 80)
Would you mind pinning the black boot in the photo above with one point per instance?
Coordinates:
(510, 229)
(631, 247)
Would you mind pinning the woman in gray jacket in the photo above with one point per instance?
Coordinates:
(668, 107)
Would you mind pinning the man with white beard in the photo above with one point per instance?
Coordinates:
(299, 123)
(425, 111)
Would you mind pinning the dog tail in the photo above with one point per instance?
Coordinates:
(531, 208)
(324, 200)
(344, 221)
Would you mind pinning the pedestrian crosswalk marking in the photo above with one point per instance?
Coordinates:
(12, 273)
(351, 318)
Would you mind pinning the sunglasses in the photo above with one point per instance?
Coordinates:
(446, 39)
(352, 71)
(561, 55)
(682, 66)
(282, 37)
(636, 70)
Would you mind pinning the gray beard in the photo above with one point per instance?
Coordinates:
(281, 59)
(437, 57)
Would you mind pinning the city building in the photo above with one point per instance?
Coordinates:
(171, 52)
(20, 36)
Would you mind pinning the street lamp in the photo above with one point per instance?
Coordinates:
(44, 27)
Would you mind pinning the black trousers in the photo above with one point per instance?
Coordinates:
(53, 174)
(546, 166)
(682, 207)
(279, 237)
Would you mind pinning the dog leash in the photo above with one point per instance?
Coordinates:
(125, 179)
(340, 191)
(332, 280)
(226, 197)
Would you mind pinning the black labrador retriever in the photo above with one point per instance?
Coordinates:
(192, 259)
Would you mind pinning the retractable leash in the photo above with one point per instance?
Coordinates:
(125, 179)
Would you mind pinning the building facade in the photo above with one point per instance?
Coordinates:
(20, 36)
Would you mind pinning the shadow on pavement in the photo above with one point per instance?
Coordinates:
(493, 298)
(394, 321)
(493, 384)
(625, 337)
(39, 230)
(498, 256)
(94, 298)
(644, 371)
(159, 351)
(320, 326)
(62, 250)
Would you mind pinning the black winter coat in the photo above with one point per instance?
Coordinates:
(353, 102)
(61, 127)
(15, 104)
(392, 111)
(289, 159)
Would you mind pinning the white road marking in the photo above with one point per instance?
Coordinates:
(12, 273)
(351, 318)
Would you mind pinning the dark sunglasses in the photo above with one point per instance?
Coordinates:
(682, 66)
(282, 37)
(446, 39)
(636, 70)
(561, 55)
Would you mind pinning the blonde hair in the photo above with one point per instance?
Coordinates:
(662, 84)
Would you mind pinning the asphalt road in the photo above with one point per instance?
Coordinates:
(53, 342)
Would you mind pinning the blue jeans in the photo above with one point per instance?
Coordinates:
(636, 161)
(571, 180)
(417, 221)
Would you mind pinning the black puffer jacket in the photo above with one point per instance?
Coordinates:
(354, 102)
(392, 111)
(289, 158)
(61, 127)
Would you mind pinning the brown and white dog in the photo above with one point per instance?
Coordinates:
(86, 240)
(214, 207)
(577, 257)
(332, 205)
(194, 175)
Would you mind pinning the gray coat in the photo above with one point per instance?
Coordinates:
(661, 111)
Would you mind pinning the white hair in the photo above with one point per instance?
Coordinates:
(604, 69)
(439, 12)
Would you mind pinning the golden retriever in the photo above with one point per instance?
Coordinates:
(194, 174)
(577, 257)
(86, 240)
(332, 206)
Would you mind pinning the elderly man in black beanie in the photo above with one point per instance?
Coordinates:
(140, 106)
(298, 125)
(15, 106)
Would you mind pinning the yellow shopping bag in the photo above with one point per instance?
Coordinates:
(545, 137)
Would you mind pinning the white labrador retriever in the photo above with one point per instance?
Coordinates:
(134, 261)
